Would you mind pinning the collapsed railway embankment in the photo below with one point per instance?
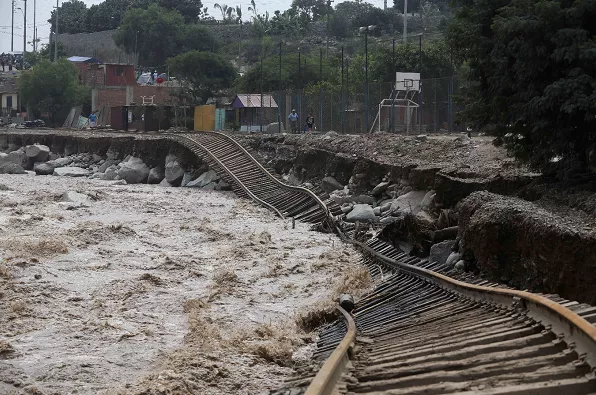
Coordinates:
(525, 232)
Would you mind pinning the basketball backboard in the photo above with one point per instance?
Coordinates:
(407, 81)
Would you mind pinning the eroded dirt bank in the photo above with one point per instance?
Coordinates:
(148, 290)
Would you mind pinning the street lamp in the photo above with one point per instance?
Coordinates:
(366, 30)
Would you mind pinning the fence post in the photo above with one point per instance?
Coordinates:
(279, 95)
(261, 112)
(393, 91)
(321, 90)
(342, 90)
(421, 105)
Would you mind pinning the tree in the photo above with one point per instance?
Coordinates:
(227, 12)
(196, 37)
(206, 72)
(532, 75)
(73, 17)
(191, 10)
(46, 52)
(350, 15)
(312, 10)
(106, 15)
(52, 88)
(155, 33)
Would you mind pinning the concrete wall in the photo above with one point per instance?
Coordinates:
(98, 45)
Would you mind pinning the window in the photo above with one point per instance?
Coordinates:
(9, 101)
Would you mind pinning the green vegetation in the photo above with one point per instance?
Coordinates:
(52, 88)
(532, 72)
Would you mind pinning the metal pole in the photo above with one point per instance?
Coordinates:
(24, 33)
(56, 34)
(34, 25)
(12, 29)
(279, 95)
(321, 90)
(405, 22)
(343, 110)
(393, 90)
(136, 42)
(261, 112)
(366, 70)
(451, 93)
(299, 91)
(327, 31)
(421, 104)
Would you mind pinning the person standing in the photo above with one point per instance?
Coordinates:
(310, 122)
(293, 117)
(92, 120)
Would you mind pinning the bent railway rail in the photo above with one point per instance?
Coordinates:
(421, 331)
(251, 179)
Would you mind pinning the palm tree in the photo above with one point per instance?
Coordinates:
(226, 11)
(253, 8)
(239, 14)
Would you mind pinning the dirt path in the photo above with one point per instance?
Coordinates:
(142, 289)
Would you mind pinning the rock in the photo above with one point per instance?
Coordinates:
(74, 197)
(174, 172)
(119, 182)
(452, 259)
(425, 218)
(361, 213)
(206, 178)
(388, 220)
(428, 199)
(386, 206)
(441, 251)
(134, 171)
(330, 184)
(274, 128)
(223, 186)
(61, 162)
(410, 202)
(164, 183)
(460, 266)
(211, 186)
(110, 174)
(104, 166)
(11, 168)
(71, 172)
(421, 137)
(347, 207)
(53, 156)
(186, 178)
(380, 188)
(406, 190)
(43, 168)
(37, 152)
(156, 175)
(96, 158)
(377, 211)
(462, 141)
(17, 157)
(331, 133)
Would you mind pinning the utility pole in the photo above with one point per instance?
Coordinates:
(328, 8)
(24, 33)
(405, 22)
(34, 25)
(56, 35)
(12, 29)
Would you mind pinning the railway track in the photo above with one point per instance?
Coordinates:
(424, 329)
(251, 179)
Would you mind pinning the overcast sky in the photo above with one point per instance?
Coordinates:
(44, 8)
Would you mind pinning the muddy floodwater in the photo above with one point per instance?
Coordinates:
(140, 289)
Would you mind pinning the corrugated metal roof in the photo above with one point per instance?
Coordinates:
(82, 59)
(254, 100)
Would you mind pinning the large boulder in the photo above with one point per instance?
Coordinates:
(440, 252)
(71, 172)
(186, 179)
(11, 168)
(223, 186)
(206, 178)
(174, 172)
(17, 157)
(43, 168)
(156, 175)
(61, 162)
(134, 171)
(104, 166)
(410, 202)
(330, 184)
(380, 188)
(110, 174)
(361, 213)
(37, 152)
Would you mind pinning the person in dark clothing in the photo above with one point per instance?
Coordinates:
(310, 122)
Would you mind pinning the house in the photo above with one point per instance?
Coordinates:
(251, 113)
(9, 94)
(93, 72)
